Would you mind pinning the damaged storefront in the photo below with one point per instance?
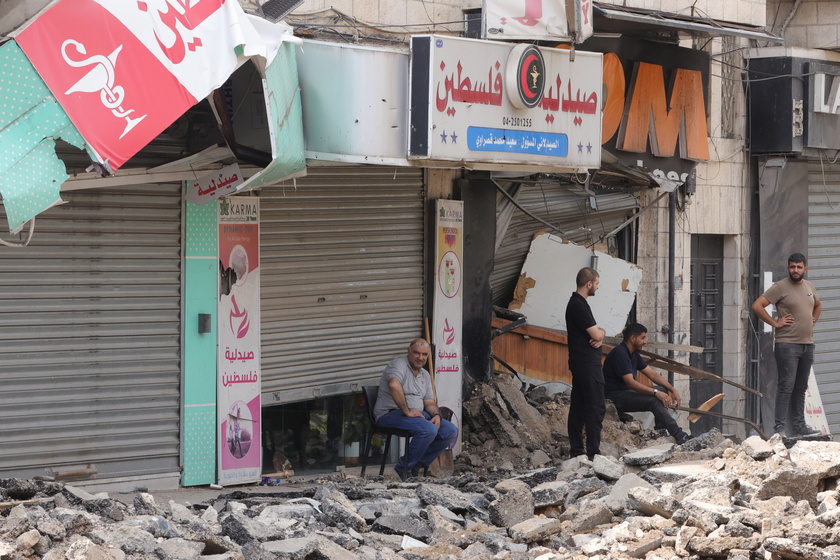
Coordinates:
(343, 249)
(794, 136)
(662, 200)
(113, 297)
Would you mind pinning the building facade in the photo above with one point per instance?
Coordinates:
(347, 273)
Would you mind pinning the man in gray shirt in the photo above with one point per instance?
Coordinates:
(798, 308)
(406, 401)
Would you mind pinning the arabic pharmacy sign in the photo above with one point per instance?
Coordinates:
(125, 70)
(448, 302)
(215, 185)
(238, 402)
(494, 103)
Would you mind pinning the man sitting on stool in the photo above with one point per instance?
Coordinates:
(628, 395)
(406, 401)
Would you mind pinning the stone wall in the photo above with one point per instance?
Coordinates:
(813, 24)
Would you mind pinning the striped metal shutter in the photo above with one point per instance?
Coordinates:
(90, 337)
(342, 278)
(824, 273)
(556, 204)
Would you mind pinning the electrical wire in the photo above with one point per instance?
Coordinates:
(825, 186)
(524, 211)
(28, 237)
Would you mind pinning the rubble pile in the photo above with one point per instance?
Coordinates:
(708, 499)
(506, 430)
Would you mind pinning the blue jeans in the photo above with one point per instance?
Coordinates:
(793, 363)
(427, 441)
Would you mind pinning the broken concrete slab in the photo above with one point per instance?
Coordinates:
(822, 457)
(719, 547)
(510, 391)
(649, 456)
(535, 529)
(651, 502)
(757, 448)
(798, 483)
(591, 518)
(674, 472)
(514, 504)
(607, 468)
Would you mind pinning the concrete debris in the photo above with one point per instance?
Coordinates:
(711, 498)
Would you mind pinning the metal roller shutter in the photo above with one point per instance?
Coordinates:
(342, 279)
(824, 273)
(90, 331)
(556, 204)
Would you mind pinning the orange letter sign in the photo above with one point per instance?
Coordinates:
(648, 114)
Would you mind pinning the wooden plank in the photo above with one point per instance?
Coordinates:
(543, 354)
(695, 416)
(615, 341)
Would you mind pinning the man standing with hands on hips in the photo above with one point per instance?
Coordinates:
(587, 406)
(798, 308)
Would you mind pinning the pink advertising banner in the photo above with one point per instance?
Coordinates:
(238, 404)
(448, 307)
(124, 70)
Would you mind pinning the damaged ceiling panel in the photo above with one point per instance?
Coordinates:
(30, 121)
(548, 280)
(285, 119)
(572, 210)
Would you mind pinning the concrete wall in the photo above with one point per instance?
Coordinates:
(813, 24)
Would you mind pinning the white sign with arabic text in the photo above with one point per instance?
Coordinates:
(497, 103)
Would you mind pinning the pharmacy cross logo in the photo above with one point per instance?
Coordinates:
(101, 78)
(530, 73)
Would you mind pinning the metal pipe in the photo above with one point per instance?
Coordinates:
(672, 269)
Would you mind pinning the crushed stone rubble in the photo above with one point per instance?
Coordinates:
(513, 496)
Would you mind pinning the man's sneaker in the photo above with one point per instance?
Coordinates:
(807, 431)
(683, 438)
(405, 475)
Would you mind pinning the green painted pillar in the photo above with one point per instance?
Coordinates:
(201, 278)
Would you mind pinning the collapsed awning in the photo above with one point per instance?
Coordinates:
(105, 103)
(624, 20)
(30, 121)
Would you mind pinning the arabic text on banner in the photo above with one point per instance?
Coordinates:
(448, 302)
(239, 374)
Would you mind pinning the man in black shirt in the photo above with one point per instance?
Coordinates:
(585, 336)
(628, 395)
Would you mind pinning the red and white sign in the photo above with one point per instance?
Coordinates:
(215, 185)
(124, 70)
(507, 20)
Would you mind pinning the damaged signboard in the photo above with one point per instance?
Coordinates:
(548, 280)
(30, 121)
(124, 71)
